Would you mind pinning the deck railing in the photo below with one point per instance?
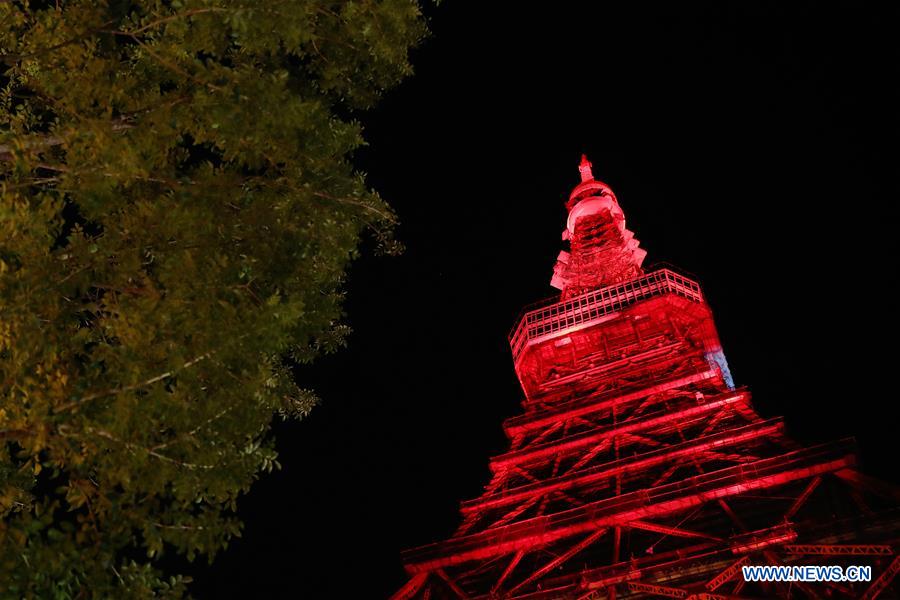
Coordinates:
(593, 305)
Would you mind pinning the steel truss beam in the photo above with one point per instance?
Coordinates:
(676, 531)
(411, 588)
(453, 585)
(672, 592)
(639, 358)
(546, 433)
(590, 539)
(726, 575)
(624, 466)
(633, 570)
(643, 504)
(883, 581)
(590, 455)
(840, 549)
(509, 569)
(802, 498)
(525, 423)
(601, 578)
(657, 590)
(592, 438)
(764, 538)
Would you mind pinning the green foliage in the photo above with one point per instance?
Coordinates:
(177, 215)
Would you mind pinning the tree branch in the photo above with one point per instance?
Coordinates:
(184, 15)
(386, 216)
(164, 62)
(193, 431)
(130, 388)
(14, 434)
(7, 151)
(182, 527)
(74, 40)
(187, 465)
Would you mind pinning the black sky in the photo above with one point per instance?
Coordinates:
(753, 145)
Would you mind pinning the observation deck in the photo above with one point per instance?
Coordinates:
(546, 321)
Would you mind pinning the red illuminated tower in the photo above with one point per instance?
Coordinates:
(638, 469)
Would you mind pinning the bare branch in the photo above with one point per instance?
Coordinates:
(130, 388)
(193, 431)
(339, 200)
(107, 435)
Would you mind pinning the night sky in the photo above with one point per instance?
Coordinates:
(752, 145)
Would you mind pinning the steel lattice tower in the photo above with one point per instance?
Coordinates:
(638, 469)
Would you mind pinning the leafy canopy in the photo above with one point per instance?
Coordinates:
(177, 214)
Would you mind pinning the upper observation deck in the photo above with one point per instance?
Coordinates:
(546, 321)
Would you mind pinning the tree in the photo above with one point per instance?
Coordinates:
(178, 211)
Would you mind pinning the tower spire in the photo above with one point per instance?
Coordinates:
(585, 169)
(602, 250)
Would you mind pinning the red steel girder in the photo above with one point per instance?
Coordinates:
(757, 540)
(672, 592)
(522, 424)
(840, 549)
(509, 569)
(595, 437)
(627, 465)
(547, 432)
(411, 587)
(590, 539)
(640, 360)
(634, 569)
(883, 581)
(666, 530)
(452, 585)
(802, 498)
(726, 575)
(643, 504)
(657, 590)
(591, 455)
